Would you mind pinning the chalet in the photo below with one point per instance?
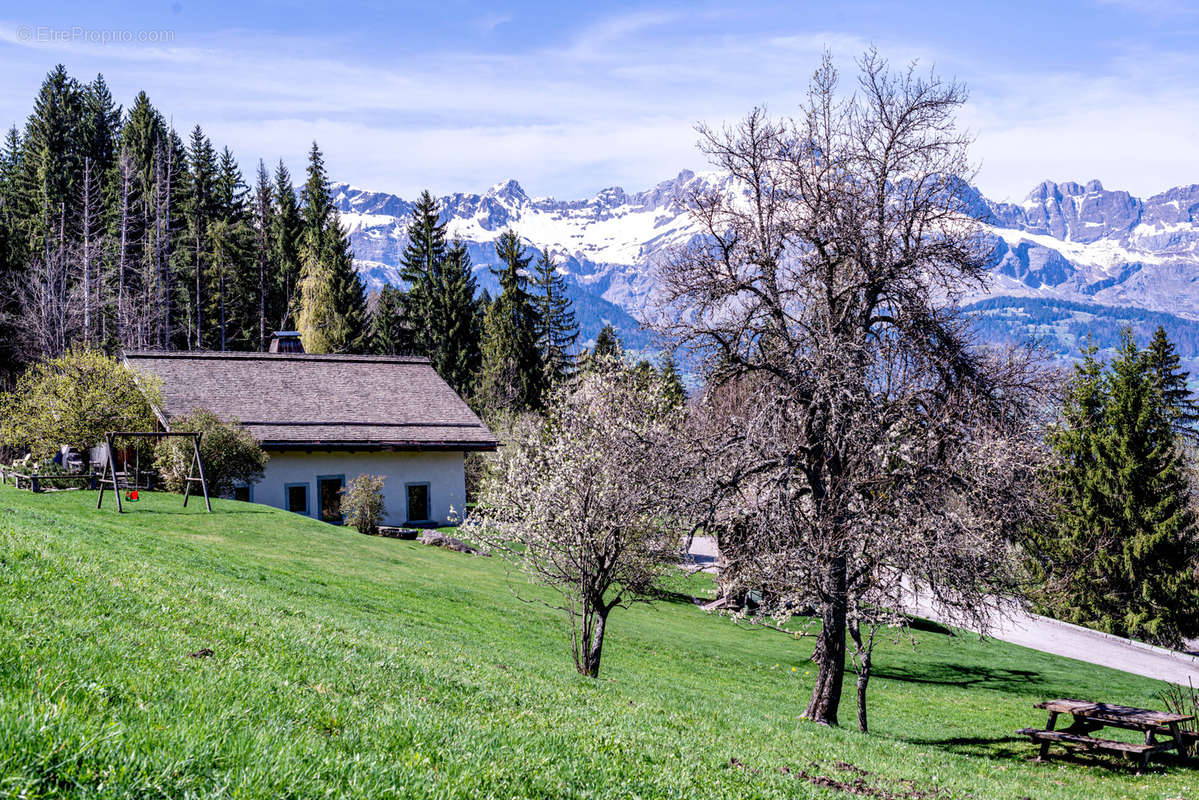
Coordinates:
(324, 419)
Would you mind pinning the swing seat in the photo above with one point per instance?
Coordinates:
(131, 495)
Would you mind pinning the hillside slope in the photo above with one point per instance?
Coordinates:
(255, 653)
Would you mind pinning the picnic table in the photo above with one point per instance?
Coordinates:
(1090, 718)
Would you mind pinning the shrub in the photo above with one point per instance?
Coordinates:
(230, 453)
(362, 503)
(75, 399)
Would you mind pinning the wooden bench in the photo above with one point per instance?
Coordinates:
(1091, 717)
(1090, 744)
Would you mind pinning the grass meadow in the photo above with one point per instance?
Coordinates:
(255, 653)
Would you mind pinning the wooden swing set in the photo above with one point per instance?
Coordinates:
(195, 472)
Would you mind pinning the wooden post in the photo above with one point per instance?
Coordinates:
(110, 468)
(1178, 742)
(116, 490)
(187, 482)
(200, 466)
(1043, 755)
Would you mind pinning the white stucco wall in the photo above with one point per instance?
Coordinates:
(443, 471)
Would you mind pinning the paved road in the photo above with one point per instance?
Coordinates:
(1050, 636)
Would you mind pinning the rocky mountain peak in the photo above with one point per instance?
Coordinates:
(510, 191)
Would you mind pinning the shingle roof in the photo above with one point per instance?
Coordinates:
(300, 400)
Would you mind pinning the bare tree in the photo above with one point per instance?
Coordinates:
(873, 450)
(49, 308)
(587, 500)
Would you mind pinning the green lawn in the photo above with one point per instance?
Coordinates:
(345, 665)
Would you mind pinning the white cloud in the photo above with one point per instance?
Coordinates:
(1132, 127)
(615, 105)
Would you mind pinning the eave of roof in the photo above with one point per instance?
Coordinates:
(291, 445)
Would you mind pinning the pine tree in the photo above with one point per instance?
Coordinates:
(200, 211)
(349, 293)
(12, 251)
(557, 330)
(175, 181)
(316, 204)
(142, 140)
(232, 287)
(421, 265)
(332, 317)
(317, 320)
(100, 127)
(607, 348)
(453, 329)
(511, 375)
(385, 334)
(1170, 380)
(264, 213)
(99, 136)
(285, 235)
(672, 382)
(51, 163)
(1122, 554)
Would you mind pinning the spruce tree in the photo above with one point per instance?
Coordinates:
(100, 130)
(557, 330)
(453, 330)
(1157, 555)
(511, 378)
(201, 209)
(12, 252)
(51, 162)
(672, 382)
(286, 232)
(349, 292)
(1170, 380)
(142, 138)
(1122, 554)
(386, 334)
(607, 349)
(232, 285)
(421, 265)
(175, 183)
(263, 221)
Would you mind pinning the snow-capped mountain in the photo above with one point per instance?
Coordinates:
(1069, 261)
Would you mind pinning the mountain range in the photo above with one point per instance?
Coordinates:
(1070, 261)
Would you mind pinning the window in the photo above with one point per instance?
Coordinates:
(297, 497)
(328, 489)
(418, 502)
(242, 493)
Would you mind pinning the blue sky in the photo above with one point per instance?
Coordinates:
(456, 95)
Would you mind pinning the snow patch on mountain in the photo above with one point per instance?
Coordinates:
(1066, 242)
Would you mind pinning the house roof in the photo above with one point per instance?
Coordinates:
(306, 401)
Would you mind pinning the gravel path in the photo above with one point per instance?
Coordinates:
(1050, 636)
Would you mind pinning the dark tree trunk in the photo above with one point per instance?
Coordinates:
(863, 654)
(596, 647)
(593, 647)
(830, 650)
